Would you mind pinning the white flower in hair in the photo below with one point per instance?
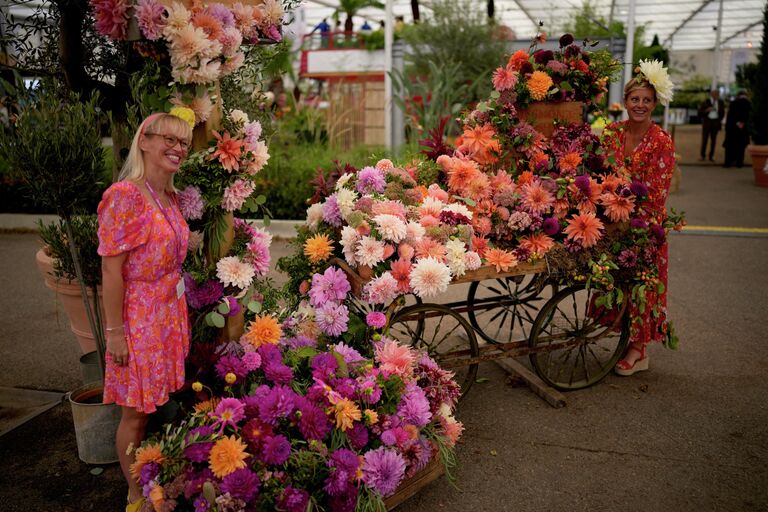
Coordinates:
(656, 74)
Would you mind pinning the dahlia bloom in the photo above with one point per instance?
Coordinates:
(430, 277)
(232, 271)
(584, 229)
(236, 194)
(383, 470)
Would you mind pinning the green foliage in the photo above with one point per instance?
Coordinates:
(55, 148)
(425, 99)
(585, 22)
(759, 88)
(458, 34)
(373, 40)
(692, 93)
(84, 230)
(653, 52)
(745, 73)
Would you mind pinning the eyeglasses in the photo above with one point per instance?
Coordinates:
(171, 141)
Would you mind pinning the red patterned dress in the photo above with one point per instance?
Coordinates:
(653, 163)
(155, 318)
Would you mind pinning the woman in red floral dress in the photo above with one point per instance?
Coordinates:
(649, 157)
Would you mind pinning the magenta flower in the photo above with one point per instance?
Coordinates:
(242, 484)
(191, 203)
(332, 285)
(313, 423)
(293, 500)
(228, 412)
(198, 451)
(331, 212)
(370, 180)
(278, 402)
(383, 470)
(251, 361)
(275, 450)
(376, 319)
(150, 15)
(111, 17)
(414, 406)
(231, 364)
(350, 355)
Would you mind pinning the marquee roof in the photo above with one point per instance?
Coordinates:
(680, 24)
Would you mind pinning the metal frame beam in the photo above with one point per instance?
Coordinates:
(689, 18)
(735, 34)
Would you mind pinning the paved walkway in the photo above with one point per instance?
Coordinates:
(689, 435)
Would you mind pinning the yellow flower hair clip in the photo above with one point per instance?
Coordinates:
(185, 114)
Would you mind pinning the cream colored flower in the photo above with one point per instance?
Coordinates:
(656, 74)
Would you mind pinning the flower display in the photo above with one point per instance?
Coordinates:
(654, 72)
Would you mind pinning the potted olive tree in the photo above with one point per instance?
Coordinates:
(759, 122)
(55, 148)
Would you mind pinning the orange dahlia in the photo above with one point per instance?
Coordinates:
(480, 143)
(318, 248)
(206, 405)
(538, 84)
(569, 162)
(209, 24)
(501, 259)
(537, 244)
(263, 330)
(584, 228)
(228, 151)
(346, 412)
(227, 456)
(144, 455)
(517, 59)
(617, 208)
(462, 174)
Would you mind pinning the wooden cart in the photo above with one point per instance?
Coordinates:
(571, 344)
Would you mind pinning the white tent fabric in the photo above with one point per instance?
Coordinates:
(680, 24)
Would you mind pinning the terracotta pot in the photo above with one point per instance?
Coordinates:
(68, 293)
(759, 155)
(542, 115)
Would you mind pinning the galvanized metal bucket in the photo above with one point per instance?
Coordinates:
(95, 424)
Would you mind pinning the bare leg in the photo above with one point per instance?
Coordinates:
(131, 430)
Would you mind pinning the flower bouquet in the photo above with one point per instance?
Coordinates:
(292, 422)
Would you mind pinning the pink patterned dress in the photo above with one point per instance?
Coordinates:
(155, 318)
(653, 163)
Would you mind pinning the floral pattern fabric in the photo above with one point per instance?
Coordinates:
(653, 163)
(155, 319)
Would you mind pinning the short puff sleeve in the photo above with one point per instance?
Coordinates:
(124, 219)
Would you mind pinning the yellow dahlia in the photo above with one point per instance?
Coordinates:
(318, 248)
(263, 330)
(145, 455)
(227, 456)
(185, 114)
(538, 84)
(206, 405)
(347, 413)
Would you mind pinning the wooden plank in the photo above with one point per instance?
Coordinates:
(490, 272)
(553, 397)
(408, 488)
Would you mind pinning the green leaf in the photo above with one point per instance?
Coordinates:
(254, 307)
(223, 308)
(343, 370)
(260, 199)
(306, 352)
(267, 221)
(565, 86)
(217, 319)
(480, 380)
(495, 95)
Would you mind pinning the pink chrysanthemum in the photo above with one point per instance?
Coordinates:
(369, 251)
(236, 194)
(504, 79)
(535, 198)
(382, 289)
(191, 203)
(150, 15)
(383, 470)
(111, 17)
(232, 271)
(391, 227)
(395, 358)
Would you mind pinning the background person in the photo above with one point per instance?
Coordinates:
(649, 156)
(711, 112)
(737, 130)
(143, 241)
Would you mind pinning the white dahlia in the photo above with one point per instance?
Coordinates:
(656, 74)
(429, 277)
(232, 271)
(391, 227)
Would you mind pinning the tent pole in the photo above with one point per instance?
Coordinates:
(630, 47)
(389, 32)
(716, 56)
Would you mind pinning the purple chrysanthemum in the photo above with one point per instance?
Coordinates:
(657, 230)
(550, 226)
(191, 203)
(150, 15)
(198, 451)
(251, 361)
(148, 472)
(628, 258)
(376, 319)
(370, 180)
(350, 355)
(324, 366)
(277, 372)
(331, 211)
(638, 188)
(383, 469)
(332, 319)
(242, 483)
(278, 402)
(414, 406)
(582, 183)
(638, 223)
(313, 423)
(231, 364)
(275, 450)
(332, 285)
(293, 500)
(345, 501)
(206, 294)
(358, 436)
(299, 342)
(343, 463)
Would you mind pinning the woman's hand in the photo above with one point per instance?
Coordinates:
(117, 348)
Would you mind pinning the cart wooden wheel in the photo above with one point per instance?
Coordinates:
(574, 345)
(444, 334)
(503, 310)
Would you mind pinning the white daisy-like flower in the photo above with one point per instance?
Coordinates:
(239, 117)
(369, 251)
(431, 206)
(232, 271)
(391, 227)
(455, 252)
(314, 216)
(342, 181)
(346, 198)
(349, 239)
(472, 260)
(458, 208)
(429, 277)
(657, 75)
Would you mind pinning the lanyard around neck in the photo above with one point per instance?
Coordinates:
(176, 236)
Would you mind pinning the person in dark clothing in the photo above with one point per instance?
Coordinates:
(737, 130)
(711, 112)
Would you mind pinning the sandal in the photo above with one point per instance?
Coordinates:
(625, 369)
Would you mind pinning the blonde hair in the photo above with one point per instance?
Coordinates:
(133, 168)
(639, 83)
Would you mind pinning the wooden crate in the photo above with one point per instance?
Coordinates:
(417, 482)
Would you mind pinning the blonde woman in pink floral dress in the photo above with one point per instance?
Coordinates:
(143, 240)
(649, 155)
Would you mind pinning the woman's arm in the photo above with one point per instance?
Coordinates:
(113, 287)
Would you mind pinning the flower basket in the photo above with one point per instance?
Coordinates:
(409, 487)
(542, 115)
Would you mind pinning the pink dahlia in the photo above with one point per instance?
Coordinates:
(191, 203)
(395, 358)
(150, 15)
(236, 194)
(111, 17)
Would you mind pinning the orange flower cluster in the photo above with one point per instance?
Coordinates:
(263, 330)
(538, 85)
(318, 248)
